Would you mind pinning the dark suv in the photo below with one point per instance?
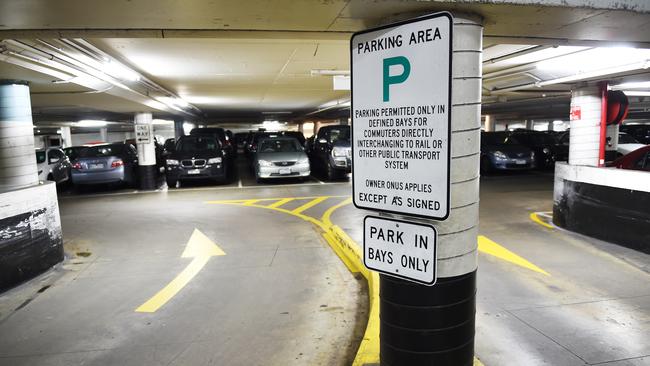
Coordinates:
(330, 151)
(195, 157)
(221, 136)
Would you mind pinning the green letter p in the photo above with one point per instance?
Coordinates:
(395, 79)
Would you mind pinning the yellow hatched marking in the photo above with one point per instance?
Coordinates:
(490, 247)
(280, 202)
(309, 204)
(250, 202)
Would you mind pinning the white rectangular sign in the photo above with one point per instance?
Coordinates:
(401, 101)
(143, 134)
(400, 249)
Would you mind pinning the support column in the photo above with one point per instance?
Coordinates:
(550, 126)
(66, 137)
(103, 134)
(490, 123)
(530, 124)
(178, 129)
(421, 325)
(17, 159)
(146, 154)
(584, 146)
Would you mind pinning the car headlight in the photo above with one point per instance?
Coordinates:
(303, 161)
(532, 155)
(214, 161)
(339, 151)
(546, 151)
(172, 162)
(499, 155)
(264, 163)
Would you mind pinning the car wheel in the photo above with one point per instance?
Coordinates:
(331, 173)
(171, 183)
(486, 165)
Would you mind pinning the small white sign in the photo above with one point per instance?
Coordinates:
(400, 249)
(143, 134)
(401, 102)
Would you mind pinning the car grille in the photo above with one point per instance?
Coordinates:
(284, 163)
(193, 163)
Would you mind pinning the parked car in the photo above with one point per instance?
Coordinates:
(627, 144)
(106, 163)
(280, 157)
(226, 146)
(53, 165)
(500, 152)
(330, 151)
(544, 145)
(196, 157)
(641, 133)
(240, 141)
(169, 146)
(638, 159)
(72, 152)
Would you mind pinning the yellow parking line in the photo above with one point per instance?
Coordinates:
(280, 202)
(535, 217)
(490, 247)
(309, 204)
(240, 201)
(326, 218)
(250, 202)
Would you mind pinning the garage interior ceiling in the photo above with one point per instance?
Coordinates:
(222, 62)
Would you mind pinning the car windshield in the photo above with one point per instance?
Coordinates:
(40, 157)
(535, 139)
(624, 138)
(102, 151)
(497, 139)
(279, 145)
(340, 133)
(197, 144)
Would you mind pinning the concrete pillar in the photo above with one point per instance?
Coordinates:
(490, 123)
(584, 146)
(103, 134)
(17, 159)
(422, 325)
(530, 124)
(550, 126)
(178, 128)
(66, 137)
(146, 152)
(316, 127)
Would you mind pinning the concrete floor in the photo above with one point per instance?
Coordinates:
(281, 297)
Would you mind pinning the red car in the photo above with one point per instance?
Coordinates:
(638, 159)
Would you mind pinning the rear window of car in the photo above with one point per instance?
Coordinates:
(102, 151)
(279, 145)
(624, 138)
(337, 134)
(197, 144)
(40, 157)
(535, 139)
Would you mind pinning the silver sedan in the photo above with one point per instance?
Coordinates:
(280, 157)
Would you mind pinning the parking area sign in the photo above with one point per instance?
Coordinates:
(401, 102)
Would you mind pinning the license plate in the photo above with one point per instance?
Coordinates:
(520, 162)
(285, 171)
(194, 171)
(95, 166)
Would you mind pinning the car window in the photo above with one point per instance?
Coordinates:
(102, 151)
(197, 144)
(40, 157)
(56, 154)
(624, 138)
(565, 139)
(336, 134)
(497, 139)
(284, 145)
(643, 163)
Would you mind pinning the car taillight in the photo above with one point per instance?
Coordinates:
(117, 164)
(76, 166)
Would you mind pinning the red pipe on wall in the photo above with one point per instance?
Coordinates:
(603, 123)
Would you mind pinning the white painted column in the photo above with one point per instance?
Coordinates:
(146, 153)
(490, 123)
(584, 147)
(103, 134)
(17, 158)
(66, 136)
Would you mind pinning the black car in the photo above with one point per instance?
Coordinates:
(221, 136)
(500, 152)
(545, 146)
(330, 151)
(195, 157)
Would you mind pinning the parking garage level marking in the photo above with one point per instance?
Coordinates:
(199, 247)
(490, 247)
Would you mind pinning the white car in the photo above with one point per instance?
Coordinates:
(627, 144)
(53, 164)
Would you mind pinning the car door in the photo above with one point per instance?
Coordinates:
(56, 160)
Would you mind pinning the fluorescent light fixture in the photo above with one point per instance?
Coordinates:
(162, 122)
(117, 70)
(187, 127)
(632, 85)
(91, 123)
(636, 93)
(173, 102)
(596, 73)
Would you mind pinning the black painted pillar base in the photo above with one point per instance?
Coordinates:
(422, 325)
(147, 177)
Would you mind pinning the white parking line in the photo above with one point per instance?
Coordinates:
(239, 183)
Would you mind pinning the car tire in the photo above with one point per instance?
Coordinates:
(486, 165)
(171, 183)
(331, 173)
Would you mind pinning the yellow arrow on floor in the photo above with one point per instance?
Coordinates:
(488, 246)
(199, 247)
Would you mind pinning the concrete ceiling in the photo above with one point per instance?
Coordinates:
(247, 62)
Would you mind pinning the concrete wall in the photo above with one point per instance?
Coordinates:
(605, 203)
(30, 233)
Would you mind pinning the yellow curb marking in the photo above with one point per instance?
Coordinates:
(535, 217)
(490, 247)
(309, 205)
(199, 247)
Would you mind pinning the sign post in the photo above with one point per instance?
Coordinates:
(401, 111)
